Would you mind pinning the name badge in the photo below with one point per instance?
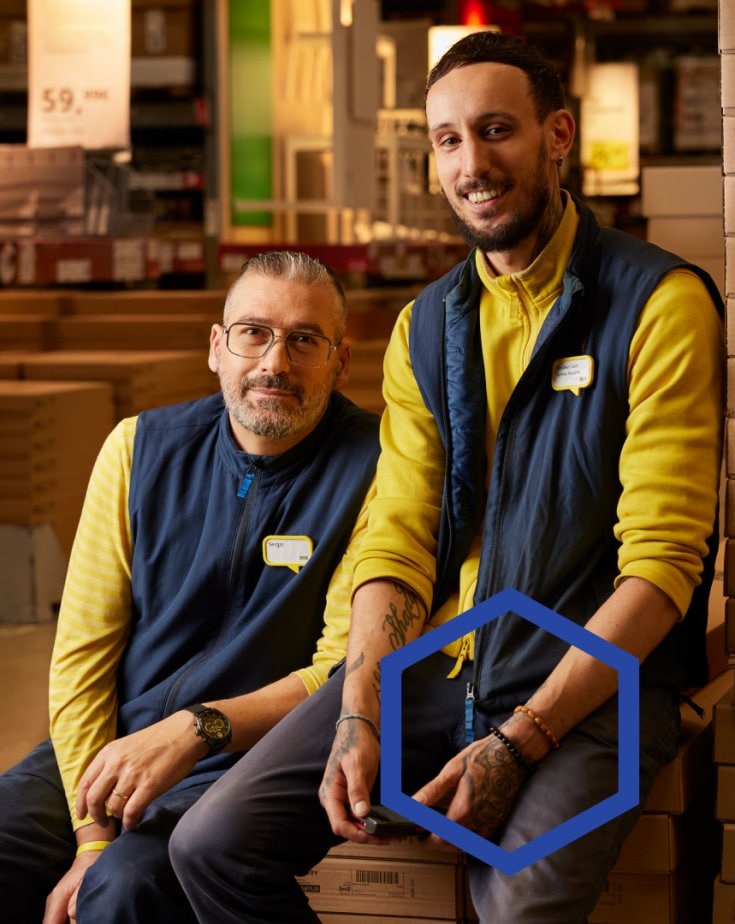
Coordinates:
(287, 551)
(572, 373)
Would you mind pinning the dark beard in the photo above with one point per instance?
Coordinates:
(519, 226)
(512, 233)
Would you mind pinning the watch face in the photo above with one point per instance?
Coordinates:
(214, 724)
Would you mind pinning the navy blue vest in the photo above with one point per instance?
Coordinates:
(547, 526)
(209, 618)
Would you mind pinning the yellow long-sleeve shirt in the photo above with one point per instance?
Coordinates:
(669, 466)
(95, 614)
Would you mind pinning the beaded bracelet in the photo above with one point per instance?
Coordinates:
(361, 718)
(92, 845)
(513, 750)
(540, 724)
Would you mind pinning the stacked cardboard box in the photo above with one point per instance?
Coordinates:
(141, 379)
(724, 754)
(45, 302)
(27, 332)
(50, 434)
(374, 884)
(132, 332)
(683, 206)
(143, 302)
(724, 888)
(665, 868)
(365, 385)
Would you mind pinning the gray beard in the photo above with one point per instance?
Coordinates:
(269, 418)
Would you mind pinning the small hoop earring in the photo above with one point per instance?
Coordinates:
(560, 160)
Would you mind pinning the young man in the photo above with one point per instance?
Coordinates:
(199, 573)
(598, 501)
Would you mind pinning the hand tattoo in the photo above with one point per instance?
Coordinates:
(493, 779)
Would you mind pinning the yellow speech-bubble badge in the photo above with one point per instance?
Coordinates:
(572, 373)
(287, 551)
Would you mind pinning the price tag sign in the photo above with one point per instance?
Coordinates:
(79, 73)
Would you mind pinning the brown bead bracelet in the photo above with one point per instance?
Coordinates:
(540, 724)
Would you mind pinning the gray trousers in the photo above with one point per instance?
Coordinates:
(236, 851)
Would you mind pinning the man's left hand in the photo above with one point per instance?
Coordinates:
(481, 782)
(127, 774)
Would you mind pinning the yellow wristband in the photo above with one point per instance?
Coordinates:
(92, 845)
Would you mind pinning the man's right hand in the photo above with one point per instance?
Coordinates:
(349, 777)
(130, 772)
(61, 905)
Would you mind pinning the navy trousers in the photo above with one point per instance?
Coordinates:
(132, 882)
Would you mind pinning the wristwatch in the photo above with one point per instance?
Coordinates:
(212, 725)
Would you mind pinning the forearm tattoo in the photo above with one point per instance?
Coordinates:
(358, 662)
(401, 617)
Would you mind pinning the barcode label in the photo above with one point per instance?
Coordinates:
(380, 876)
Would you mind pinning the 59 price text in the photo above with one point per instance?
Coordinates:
(63, 99)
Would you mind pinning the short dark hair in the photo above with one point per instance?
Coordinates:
(296, 266)
(496, 47)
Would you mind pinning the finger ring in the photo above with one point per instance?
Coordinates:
(120, 795)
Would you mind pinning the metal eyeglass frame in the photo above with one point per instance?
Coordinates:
(274, 338)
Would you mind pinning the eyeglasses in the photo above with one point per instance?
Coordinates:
(303, 348)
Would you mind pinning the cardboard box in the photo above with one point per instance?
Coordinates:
(144, 302)
(382, 919)
(690, 237)
(31, 301)
(32, 572)
(661, 843)
(726, 26)
(728, 81)
(27, 332)
(136, 332)
(141, 379)
(681, 191)
(676, 787)
(359, 886)
(727, 870)
(728, 144)
(413, 849)
(726, 793)
(724, 726)
(724, 903)
(729, 200)
(681, 897)
(50, 433)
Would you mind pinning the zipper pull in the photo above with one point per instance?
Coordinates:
(245, 484)
(469, 714)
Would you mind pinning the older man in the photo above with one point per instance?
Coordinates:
(194, 602)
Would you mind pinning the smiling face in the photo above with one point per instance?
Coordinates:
(496, 162)
(272, 402)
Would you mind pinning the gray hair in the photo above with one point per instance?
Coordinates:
(295, 266)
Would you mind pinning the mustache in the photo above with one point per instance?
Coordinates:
(482, 185)
(278, 382)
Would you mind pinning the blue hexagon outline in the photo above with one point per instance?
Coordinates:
(509, 862)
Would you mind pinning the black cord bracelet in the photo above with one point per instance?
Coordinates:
(512, 750)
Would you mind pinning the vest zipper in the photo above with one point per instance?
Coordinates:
(469, 714)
